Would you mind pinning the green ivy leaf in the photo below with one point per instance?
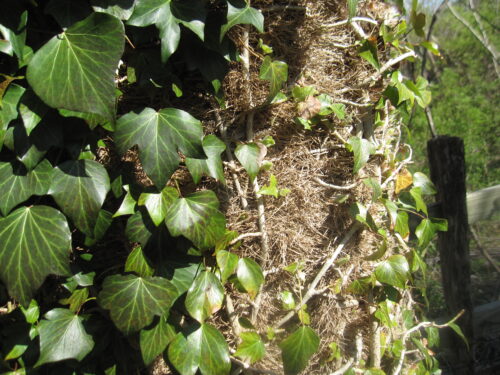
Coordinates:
(239, 12)
(32, 312)
(160, 135)
(420, 205)
(15, 39)
(32, 110)
(270, 189)
(133, 301)
(193, 216)
(205, 296)
(76, 300)
(368, 51)
(166, 15)
(274, 71)
(401, 225)
(227, 263)
(362, 149)
(251, 348)
(297, 349)
(394, 271)
(153, 341)
(204, 348)
(427, 229)
(288, 302)
(212, 166)
(63, 336)
(8, 109)
(249, 155)
(34, 242)
(128, 204)
(158, 204)
(104, 219)
(138, 263)
(375, 186)
(79, 189)
(121, 9)
(423, 182)
(75, 70)
(250, 276)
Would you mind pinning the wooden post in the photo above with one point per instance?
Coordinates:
(447, 166)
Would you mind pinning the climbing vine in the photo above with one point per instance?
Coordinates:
(85, 169)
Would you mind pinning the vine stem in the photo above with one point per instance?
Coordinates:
(419, 326)
(326, 266)
(387, 65)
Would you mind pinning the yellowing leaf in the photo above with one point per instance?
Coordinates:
(403, 180)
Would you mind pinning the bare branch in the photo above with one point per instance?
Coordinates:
(245, 235)
(326, 184)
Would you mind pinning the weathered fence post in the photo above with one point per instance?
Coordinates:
(447, 166)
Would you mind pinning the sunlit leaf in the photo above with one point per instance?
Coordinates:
(8, 110)
(160, 135)
(227, 263)
(75, 70)
(34, 242)
(424, 183)
(121, 9)
(249, 155)
(240, 12)
(394, 271)
(153, 341)
(251, 348)
(63, 336)
(274, 71)
(205, 296)
(362, 149)
(133, 301)
(250, 276)
(212, 166)
(368, 51)
(158, 204)
(297, 349)
(138, 263)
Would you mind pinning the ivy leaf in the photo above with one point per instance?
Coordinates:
(288, 302)
(423, 182)
(420, 205)
(157, 204)
(192, 216)
(159, 136)
(34, 242)
(250, 276)
(166, 15)
(205, 296)
(138, 263)
(239, 12)
(32, 110)
(128, 204)
(426, 230)
(252, 348)
(249, 155)
(63, 336)
(375, 186)
(15, 38)
(362, 149)
(79, 189)
(75, 70)
(76, 300)
(133, 301)
(394, 271)
(274, 71)
(8, 110)
(401, 225)
(270, 189)
(104, 219)
(121, 9)
(153, 341)
(227, 263)
(212, 166)
(368, 51)
(204, 348)
(297, 349)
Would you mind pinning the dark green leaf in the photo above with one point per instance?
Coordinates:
(274, 71)
(76, 69)
(297, 349)
(121, 9)
(212, 166)
(227, 263)
(425, 232)
(205, 296)
(32, 110)
(139, 228)
(63, 336)
(250, 276)
(394, 271)
(362, 149)
(251, 348)
(368, 51)
(104, 219)
(381, 250)
(159, 136)
(205, 348)
(154, 340)
(249, 155)
(8, 110)
(15, 38)
(34, 242)
(240, 12)
(79, 188)
(133, 301)
(459, 332)
(192, 217)
(158, 204)
(138, 263)
(182, 275)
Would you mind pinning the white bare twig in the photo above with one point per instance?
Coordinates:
(388, 65)
(245, 235)
(336, 187)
